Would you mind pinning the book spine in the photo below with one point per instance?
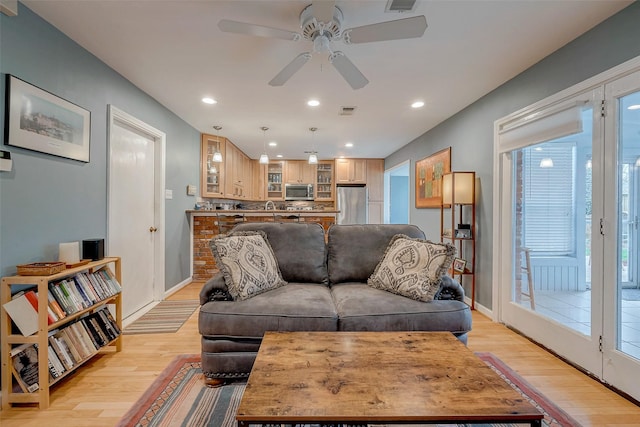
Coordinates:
(62, 353)
(73, 304)
(55, 306)
(60, 297)
(32, 297)
(55, 366)
(65, 338)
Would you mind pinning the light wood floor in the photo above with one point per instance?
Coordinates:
(103, 390)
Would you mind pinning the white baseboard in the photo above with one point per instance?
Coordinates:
(480, 308)
(177, 287)
(144, 310)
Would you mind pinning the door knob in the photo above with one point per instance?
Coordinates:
(152, 229)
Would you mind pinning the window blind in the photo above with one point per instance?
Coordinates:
(549, 199)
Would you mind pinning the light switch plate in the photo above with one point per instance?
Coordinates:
(168, 194)
(191, 190)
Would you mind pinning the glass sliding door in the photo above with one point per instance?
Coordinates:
(549, 275)
(621, 343)
(552, 213)
(567, 226)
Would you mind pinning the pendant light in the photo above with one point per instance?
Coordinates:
(313, 158)
(264, 159)
(217, 156)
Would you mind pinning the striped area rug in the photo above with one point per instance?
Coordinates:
(166, 317)
(179, 397)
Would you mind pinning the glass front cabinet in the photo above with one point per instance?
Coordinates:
(212, 165)
(275, 189)
(324, 181)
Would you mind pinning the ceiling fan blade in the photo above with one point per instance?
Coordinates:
(406, 28)
(322, 10)
(256, 30)
(350, 72)
(291, 68)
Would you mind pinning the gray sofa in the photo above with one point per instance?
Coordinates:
(327, 291)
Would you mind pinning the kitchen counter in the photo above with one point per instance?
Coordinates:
(261, 211)
(204, 226)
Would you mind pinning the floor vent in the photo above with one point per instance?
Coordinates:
(400, 6)
(347, 111)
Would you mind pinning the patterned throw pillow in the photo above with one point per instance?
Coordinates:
(247, 263)
(412, 267)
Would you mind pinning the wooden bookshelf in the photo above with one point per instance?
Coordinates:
(9, 338)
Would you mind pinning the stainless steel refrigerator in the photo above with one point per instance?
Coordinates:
(352, 204)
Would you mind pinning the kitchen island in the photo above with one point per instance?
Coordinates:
(205, 224)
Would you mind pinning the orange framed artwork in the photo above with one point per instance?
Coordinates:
(429, 172)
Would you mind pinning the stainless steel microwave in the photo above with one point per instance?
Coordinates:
(298, 191)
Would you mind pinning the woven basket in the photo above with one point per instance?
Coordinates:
(41, 268)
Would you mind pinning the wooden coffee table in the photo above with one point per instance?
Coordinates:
(376, 377)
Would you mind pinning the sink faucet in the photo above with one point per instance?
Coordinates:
(269, 203)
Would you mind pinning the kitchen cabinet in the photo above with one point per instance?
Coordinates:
(299, 172)
(375, 212)
(324, 181)
(375, 179)
(212, 173)
(259, 182)
(351, 171)
(237, 173)
(275, 185)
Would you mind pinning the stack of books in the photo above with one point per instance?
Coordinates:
(68, 347)
(65, 297)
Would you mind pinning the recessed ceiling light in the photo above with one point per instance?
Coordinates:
(209, 101)
(273, 144)
(279, 156)
(634, 107)
(417, 104)
(349, 144)
(313, 103)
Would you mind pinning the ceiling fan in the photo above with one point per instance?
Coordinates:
(321, 23)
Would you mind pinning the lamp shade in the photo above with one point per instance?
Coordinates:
(313, 159)
(217, 157)
(458, 187)
(264, 159)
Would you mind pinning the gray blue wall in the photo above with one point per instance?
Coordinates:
(45, 200)
(398, 196)
(470, 132)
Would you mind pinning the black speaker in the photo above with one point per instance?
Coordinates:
(93, 249)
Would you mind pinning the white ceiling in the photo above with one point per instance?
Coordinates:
(174, 51)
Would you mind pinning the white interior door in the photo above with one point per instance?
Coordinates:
(135, 226)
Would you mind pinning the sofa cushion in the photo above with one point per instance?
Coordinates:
(293, 307)
(412, 267)
(363, 308)
(355, 250)
(298, 247)
(247, 264)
